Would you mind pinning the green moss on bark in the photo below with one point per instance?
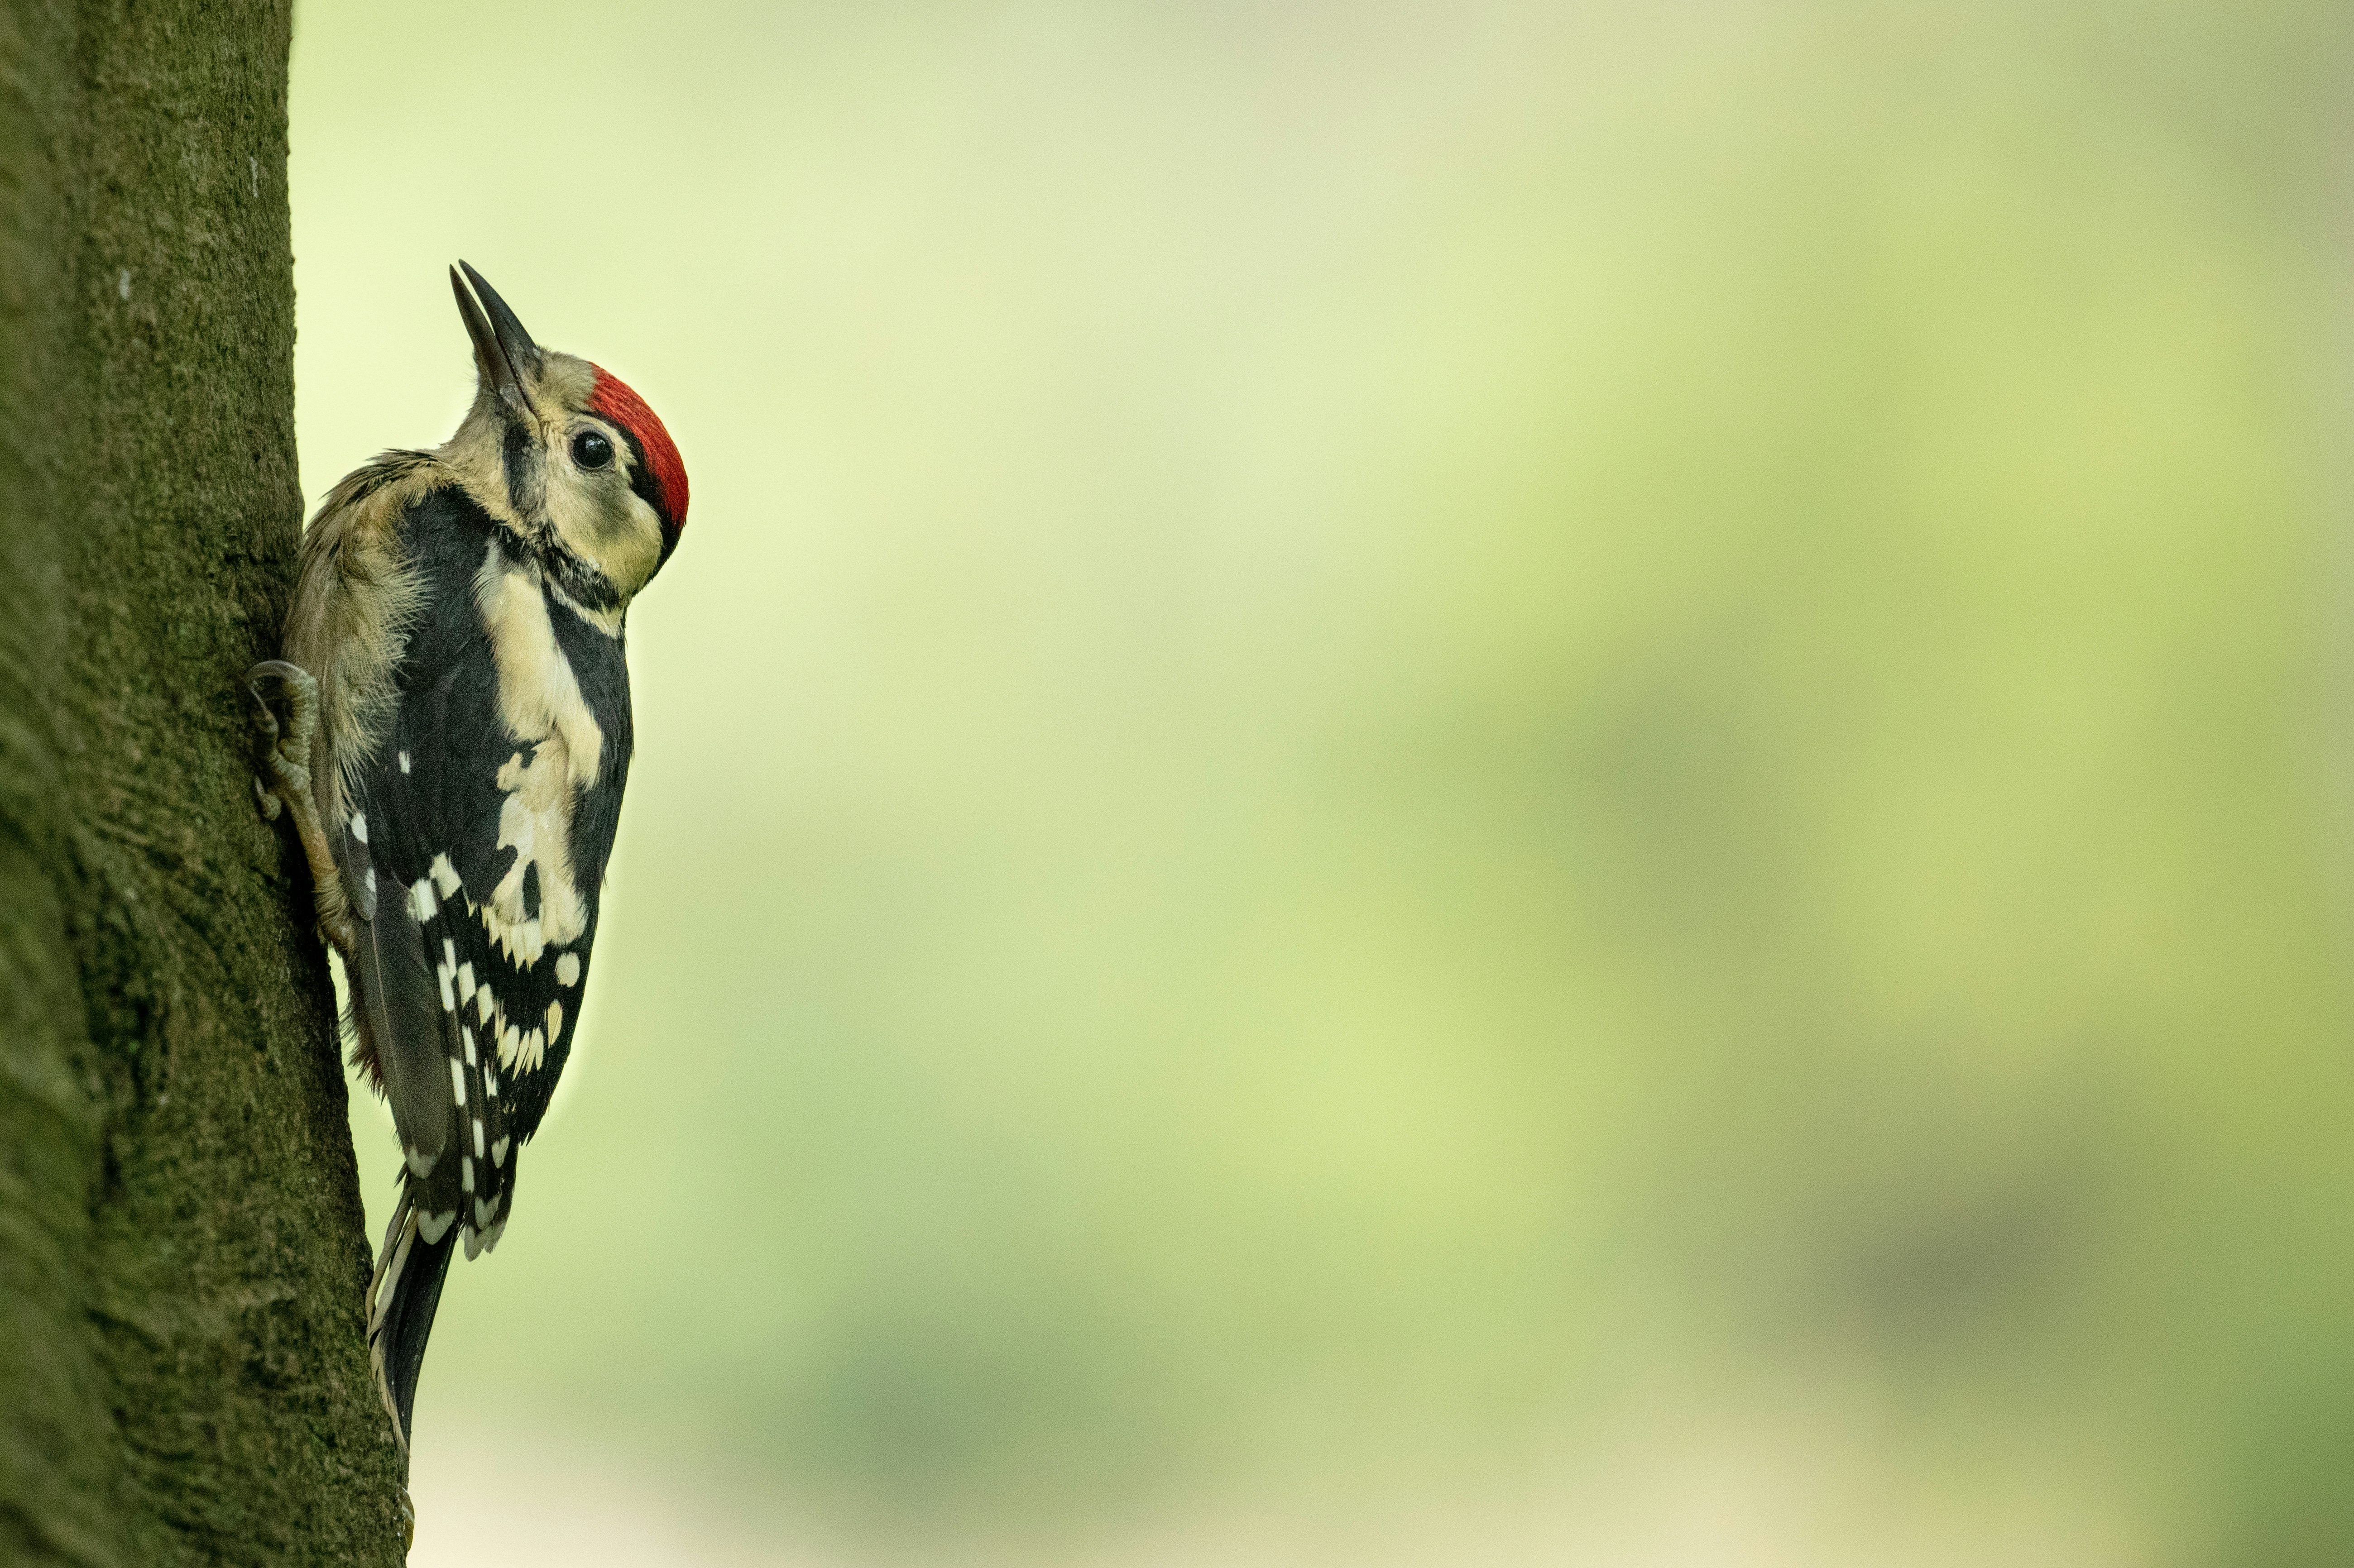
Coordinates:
(183, 1377)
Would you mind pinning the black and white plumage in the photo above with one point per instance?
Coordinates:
(457, 738)
(489, 811)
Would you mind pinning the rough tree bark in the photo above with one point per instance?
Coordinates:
(182, 1256)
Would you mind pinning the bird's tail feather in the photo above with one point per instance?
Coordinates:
(402, 1297)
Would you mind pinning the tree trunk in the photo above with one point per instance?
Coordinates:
(183, 1377)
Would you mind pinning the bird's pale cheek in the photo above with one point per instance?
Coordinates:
(609, 530)
(628, 544)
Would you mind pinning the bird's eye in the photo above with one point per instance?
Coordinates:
(591, 450)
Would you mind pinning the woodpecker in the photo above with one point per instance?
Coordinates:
(448, 731)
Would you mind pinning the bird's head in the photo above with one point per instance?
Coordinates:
(567, 456)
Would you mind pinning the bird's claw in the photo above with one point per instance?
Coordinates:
(282, 781)
(284, 749)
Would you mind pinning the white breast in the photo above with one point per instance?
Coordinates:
(539, 701)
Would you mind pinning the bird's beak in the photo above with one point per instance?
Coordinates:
(503, 352)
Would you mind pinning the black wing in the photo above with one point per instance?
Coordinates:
(487, 815)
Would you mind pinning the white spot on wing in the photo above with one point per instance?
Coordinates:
(466, 980)
(422, 900)
(359, 826)
(449, 998)
(499, 1152)
(568, 970)
(468, 1036)
(483, 1000)
(466, 1172)
(433, 1227)
(458, 1079)
(421, 1164)
(404, 762)
(444, 874)
(522, 1050)
(555, 1021)
(478, 1135)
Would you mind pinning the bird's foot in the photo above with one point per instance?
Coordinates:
(283, 732)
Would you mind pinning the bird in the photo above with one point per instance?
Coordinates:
(449, 730)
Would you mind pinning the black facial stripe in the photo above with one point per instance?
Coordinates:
(642, 485)
(642, 479)
(525, 480)
(514, 546)
(590, 588)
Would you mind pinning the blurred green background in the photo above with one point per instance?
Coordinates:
(1488, 783)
